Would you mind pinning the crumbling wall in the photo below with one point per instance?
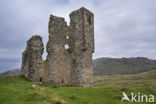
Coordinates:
(82, 30)
(58, 58)
(63, 66)
(32, 63)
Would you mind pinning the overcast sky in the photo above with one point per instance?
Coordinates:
(123, 28)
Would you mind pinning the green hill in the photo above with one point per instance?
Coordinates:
(107, 90)
(122, 66)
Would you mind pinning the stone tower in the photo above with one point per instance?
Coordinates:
(82, 33)
(32, 63)
(58, 58)
(63, 66)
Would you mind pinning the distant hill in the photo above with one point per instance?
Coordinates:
(11, 72)
(121, 66)
(112, 66)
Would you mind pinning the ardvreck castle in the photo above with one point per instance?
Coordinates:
(63, 66)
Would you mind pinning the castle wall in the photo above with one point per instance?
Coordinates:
(72, 66)
(82, 30)
(59, 59)
(32, 59)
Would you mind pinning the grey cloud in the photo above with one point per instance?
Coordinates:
(126, 29)
(123, 28)
(7, 64)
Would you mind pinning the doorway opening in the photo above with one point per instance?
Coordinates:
(62, 81)
(40, 79)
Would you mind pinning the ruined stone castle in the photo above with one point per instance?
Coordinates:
(64, 65)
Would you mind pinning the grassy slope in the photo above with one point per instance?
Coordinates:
(17, 90)
(132, 80)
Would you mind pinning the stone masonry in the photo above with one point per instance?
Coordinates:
(69, 49)
(32, 63)
(58, 59)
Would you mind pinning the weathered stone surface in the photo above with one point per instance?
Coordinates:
(58, 59)
(69, 49)
(82, 28)
(32, 63)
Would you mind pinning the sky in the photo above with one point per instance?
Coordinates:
(123, 28)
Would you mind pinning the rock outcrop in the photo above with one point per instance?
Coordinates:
(69, 49)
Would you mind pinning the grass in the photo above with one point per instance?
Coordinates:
(17, 90)
(131, 80)
(107, 90)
